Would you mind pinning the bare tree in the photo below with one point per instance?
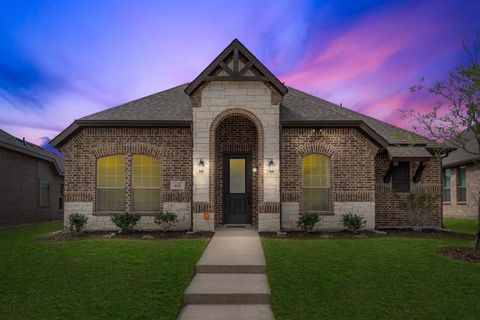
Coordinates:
(456, 112)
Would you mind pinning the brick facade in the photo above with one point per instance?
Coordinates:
(469, 208)
(172, 146)
(387, 209)
(352, 175)
(235, 134)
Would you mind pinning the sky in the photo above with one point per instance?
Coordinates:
(62, 60)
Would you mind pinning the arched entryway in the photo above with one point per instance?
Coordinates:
(237, 177)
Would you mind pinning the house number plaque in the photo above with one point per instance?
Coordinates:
(177, 185)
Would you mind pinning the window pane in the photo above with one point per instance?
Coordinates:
(111, 199)
(146, 199)
(316, 171)
(316, 199)
(44, 193)
(111, 172)
(401, 177)
(446, 178)
(146, 172)
(462, 175)
(237, 175)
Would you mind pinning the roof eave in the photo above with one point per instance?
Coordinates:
(61, 138)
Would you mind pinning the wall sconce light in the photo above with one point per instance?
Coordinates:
(201, 165)
(271, 166)
(254, 170)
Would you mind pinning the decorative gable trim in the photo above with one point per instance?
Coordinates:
(236, 63)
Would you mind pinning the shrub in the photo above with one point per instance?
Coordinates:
(77, 222)
(307, 221)
(125, 221)
(353, 222)
(166, 220)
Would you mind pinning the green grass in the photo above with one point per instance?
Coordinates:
(92, 278)
(376, 278)
(468, 226)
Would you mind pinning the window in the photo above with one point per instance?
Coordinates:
(146, 183)
(111, 183)
(316, 183)
(44, 193)
(237, 175)
(462, 184)
(446, 185)
(401, 177)
(60, 197)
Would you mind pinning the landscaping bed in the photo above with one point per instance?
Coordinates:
(139, 235)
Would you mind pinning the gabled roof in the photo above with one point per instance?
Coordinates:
(460, 156)
(10, 142)
(236, 61)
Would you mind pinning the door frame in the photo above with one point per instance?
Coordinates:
(248, 182)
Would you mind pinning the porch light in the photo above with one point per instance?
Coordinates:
(254, 170)
(201, 165)
(271, 166)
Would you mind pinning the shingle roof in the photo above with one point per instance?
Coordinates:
(460, 156)
(407, 152)
(10, 142)
(172, 104)
(297, 106)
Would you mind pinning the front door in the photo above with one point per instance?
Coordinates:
(237, 186)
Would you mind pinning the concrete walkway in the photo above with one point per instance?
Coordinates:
(230, 282)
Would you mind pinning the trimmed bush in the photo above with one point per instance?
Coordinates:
(353, 222)
(307, 221)
(166, 220)
(77, 222)
(125, 221)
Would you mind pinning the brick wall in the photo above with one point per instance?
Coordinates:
(352, 173)
(388, 212)
(469, 208)
(235, 134)
(171, 145)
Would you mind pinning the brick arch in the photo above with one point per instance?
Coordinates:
(315, 148)
(124, 148)
(226, 114)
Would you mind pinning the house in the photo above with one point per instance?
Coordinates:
(238, 144)
(461, 180)
(31, 182)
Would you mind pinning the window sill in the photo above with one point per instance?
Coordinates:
(446, 203)
(321, 213)
(462, 203)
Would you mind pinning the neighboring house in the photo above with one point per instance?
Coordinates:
(461, 180)
(238, 144)
(31, 182)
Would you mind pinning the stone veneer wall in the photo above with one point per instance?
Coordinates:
(387, 209)
(235, 134)
(352, 173)
(171, 145)
(469, 208)
(256, 102)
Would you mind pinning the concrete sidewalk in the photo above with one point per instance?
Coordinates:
(230, 282)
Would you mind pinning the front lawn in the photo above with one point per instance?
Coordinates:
(468, 226)
(92, 278)
(376, 278)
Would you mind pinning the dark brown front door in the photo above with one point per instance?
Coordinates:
(237, 186)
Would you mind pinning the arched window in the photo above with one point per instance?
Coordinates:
(111, 183)
(146, 182)
(316, 183)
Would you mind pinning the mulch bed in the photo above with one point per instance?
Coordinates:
(136, 235)
(463, 254)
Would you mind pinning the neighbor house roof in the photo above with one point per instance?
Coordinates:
(461, 156)
(20, 145)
